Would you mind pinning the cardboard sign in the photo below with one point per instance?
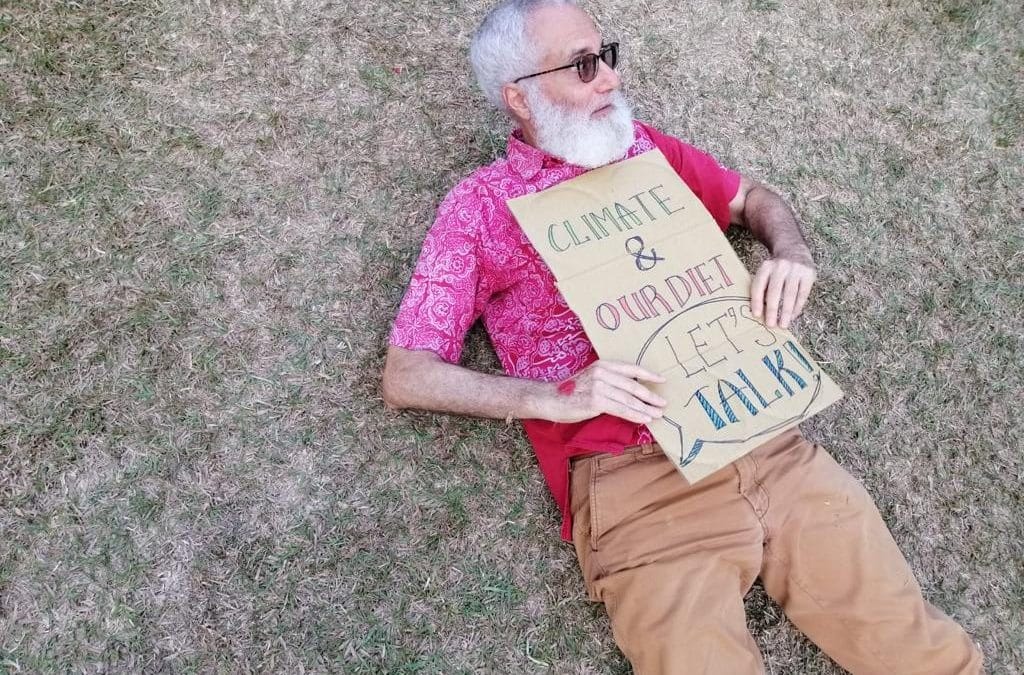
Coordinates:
(655, 282)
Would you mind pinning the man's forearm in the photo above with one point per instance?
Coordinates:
(782, 284)
(771, 220)
(419, 380)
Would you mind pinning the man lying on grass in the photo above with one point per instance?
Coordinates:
(671, 562)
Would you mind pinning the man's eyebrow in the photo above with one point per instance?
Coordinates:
(583, 50)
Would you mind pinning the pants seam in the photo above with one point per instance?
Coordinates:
(767, 500)
(595, 523)
(767, 506)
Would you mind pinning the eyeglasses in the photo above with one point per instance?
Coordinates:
(586, 66)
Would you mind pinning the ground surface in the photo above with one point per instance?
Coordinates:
(209, 212)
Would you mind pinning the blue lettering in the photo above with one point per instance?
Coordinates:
(778, 368)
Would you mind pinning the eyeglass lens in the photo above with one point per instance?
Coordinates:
(587, 66)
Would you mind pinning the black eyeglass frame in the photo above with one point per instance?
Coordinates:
(612, 47)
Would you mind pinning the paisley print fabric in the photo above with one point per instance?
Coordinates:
(476, 263)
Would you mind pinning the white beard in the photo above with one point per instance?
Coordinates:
(574, 136)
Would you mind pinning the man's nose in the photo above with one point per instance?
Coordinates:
(607, 79)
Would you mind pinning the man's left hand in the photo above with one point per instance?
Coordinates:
(780, 288)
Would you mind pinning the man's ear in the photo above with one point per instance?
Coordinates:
(515, 101)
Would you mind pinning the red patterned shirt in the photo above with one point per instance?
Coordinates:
(476, 262)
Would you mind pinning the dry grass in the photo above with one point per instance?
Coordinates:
(208, 214)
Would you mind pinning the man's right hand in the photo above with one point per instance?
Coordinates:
(606, 387)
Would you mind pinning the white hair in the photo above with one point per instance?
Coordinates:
(574, 135)
(502, 48)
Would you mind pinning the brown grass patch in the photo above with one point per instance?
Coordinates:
(208, 214)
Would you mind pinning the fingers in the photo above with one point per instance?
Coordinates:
(798, 288)
(802, 295)
(789, 295)
(628, 370)
(772, 298)
(779, 291)
(623, 405)
(611, 388)
(627, 413)
(631, 387)
(757, 288)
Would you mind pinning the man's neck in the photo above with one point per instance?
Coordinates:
(529, 133)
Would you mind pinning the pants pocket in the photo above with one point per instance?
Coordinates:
(617, 488)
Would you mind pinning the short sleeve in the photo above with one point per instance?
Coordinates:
(713, 184)
(442, 300)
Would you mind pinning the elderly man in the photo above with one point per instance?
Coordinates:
(670, 561)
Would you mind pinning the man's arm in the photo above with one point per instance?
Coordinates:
(780, 288)
(421, 379)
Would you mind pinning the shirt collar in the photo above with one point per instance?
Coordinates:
(526, 159)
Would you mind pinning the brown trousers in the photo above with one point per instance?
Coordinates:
(672, 562)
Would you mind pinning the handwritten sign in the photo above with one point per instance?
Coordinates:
(655, 282)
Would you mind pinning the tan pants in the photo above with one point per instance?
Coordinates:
(672, 563)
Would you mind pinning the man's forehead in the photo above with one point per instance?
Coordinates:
(564, 32)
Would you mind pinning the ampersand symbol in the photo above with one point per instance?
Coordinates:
(643, 261)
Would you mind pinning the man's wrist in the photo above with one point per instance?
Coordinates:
(798, 253)
(535, 400)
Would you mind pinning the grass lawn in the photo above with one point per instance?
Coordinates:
(209, 212)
